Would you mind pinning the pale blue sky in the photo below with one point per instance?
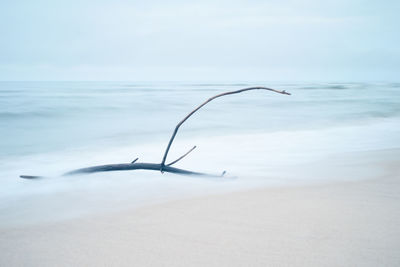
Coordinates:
(306, 40)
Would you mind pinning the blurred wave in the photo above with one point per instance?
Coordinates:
(47, 128)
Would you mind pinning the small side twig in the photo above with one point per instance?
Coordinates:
(134, 160)
(181, 157)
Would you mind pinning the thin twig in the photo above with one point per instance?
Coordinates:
(203, 104)
(184, 155)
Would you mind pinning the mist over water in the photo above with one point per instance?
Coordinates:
(41, 117)
(48, 128)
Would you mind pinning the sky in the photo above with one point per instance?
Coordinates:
(252, 40)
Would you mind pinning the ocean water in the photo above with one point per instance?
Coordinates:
(259, 137)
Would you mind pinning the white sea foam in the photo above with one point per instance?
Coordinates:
(305, 138)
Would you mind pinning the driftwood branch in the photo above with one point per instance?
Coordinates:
(134, 165)
(202, 105)
(126, 167)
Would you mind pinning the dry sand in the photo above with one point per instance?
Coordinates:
(341, 224)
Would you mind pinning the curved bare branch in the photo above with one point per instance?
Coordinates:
(203, 104)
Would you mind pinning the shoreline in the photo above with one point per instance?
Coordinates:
(65, 198)
(353, 223)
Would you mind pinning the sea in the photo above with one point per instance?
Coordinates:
(321, 133)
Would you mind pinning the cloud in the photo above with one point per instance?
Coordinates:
(159, 39)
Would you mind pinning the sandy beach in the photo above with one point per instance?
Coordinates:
(337, 224)
(199, 133)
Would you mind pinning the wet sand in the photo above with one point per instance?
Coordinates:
(335, 224)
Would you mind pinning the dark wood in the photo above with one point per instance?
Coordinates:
(134, 166)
